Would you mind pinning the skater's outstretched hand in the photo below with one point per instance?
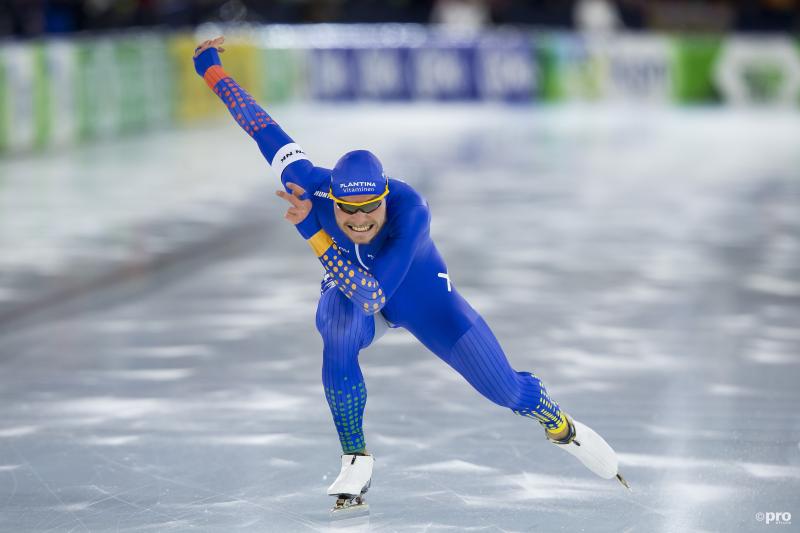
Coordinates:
(301, 206)
(213, 43)
(207, 54)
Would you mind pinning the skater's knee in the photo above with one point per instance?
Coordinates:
(334, 311)
(339, 362)
(338, 321)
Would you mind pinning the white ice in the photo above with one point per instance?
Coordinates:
(643, 262)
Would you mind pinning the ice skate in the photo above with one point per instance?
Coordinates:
(352, 483)
(591, 450)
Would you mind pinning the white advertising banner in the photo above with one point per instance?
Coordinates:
(61, 73)
(765, 70)
(19, 66)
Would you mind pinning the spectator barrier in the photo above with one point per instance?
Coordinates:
(58, 91)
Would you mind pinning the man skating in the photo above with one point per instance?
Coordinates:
(371, 235)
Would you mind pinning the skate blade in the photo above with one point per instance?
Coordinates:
(350, 507)
(624, 482)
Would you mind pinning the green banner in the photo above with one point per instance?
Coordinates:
(42, 109)
(694, 58)
(158, 80)
(98, 89)
(571, 71)
(20, 63)
(283, 74)
(5, 120)
(131, 104)
(145, 94)
(547, 61)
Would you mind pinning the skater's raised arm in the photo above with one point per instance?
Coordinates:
(286, 158)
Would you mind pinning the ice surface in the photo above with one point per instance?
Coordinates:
(644, 263)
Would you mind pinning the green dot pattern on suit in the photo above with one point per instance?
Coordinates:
(347, 407)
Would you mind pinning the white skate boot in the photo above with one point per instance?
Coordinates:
(591, 450)
(353, 482)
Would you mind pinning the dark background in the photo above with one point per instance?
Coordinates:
(32, 18)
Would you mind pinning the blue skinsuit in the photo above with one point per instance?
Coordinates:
(399, 274)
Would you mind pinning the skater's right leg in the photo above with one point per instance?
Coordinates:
(345, 330)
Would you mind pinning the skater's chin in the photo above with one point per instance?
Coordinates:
(361, 233)
(361, 237)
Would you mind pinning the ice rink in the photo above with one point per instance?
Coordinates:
(160, 369)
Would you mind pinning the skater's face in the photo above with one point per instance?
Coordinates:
(360, 227)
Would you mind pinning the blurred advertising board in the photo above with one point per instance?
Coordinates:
(98, 90)
(693, 64)
(757, 71)
(382, 73)
(58, 91)
(145, 82)
(442, 71)
(22, 94)
(440, 68)
(633, 68)
(506, 68)
(283, 74)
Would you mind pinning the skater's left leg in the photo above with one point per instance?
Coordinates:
(448, 326)
(479, 358)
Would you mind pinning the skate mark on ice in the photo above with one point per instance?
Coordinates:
(266, 439)
(294, 517)
(120, 440)
(14, 483)
(46, 485)
(164, 352)
(455, 466)
(769, 471)
(18, 431)
(160, 375)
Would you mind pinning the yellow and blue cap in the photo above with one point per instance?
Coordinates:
(358, 172)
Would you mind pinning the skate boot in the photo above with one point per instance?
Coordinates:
(353, 482)
(590, 449)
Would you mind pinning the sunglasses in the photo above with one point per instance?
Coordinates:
(353, 209)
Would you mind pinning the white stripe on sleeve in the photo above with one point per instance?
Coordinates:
(285, 156)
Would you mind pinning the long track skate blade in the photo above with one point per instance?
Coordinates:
(350, 507)
(353, 511)
(624, 482)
